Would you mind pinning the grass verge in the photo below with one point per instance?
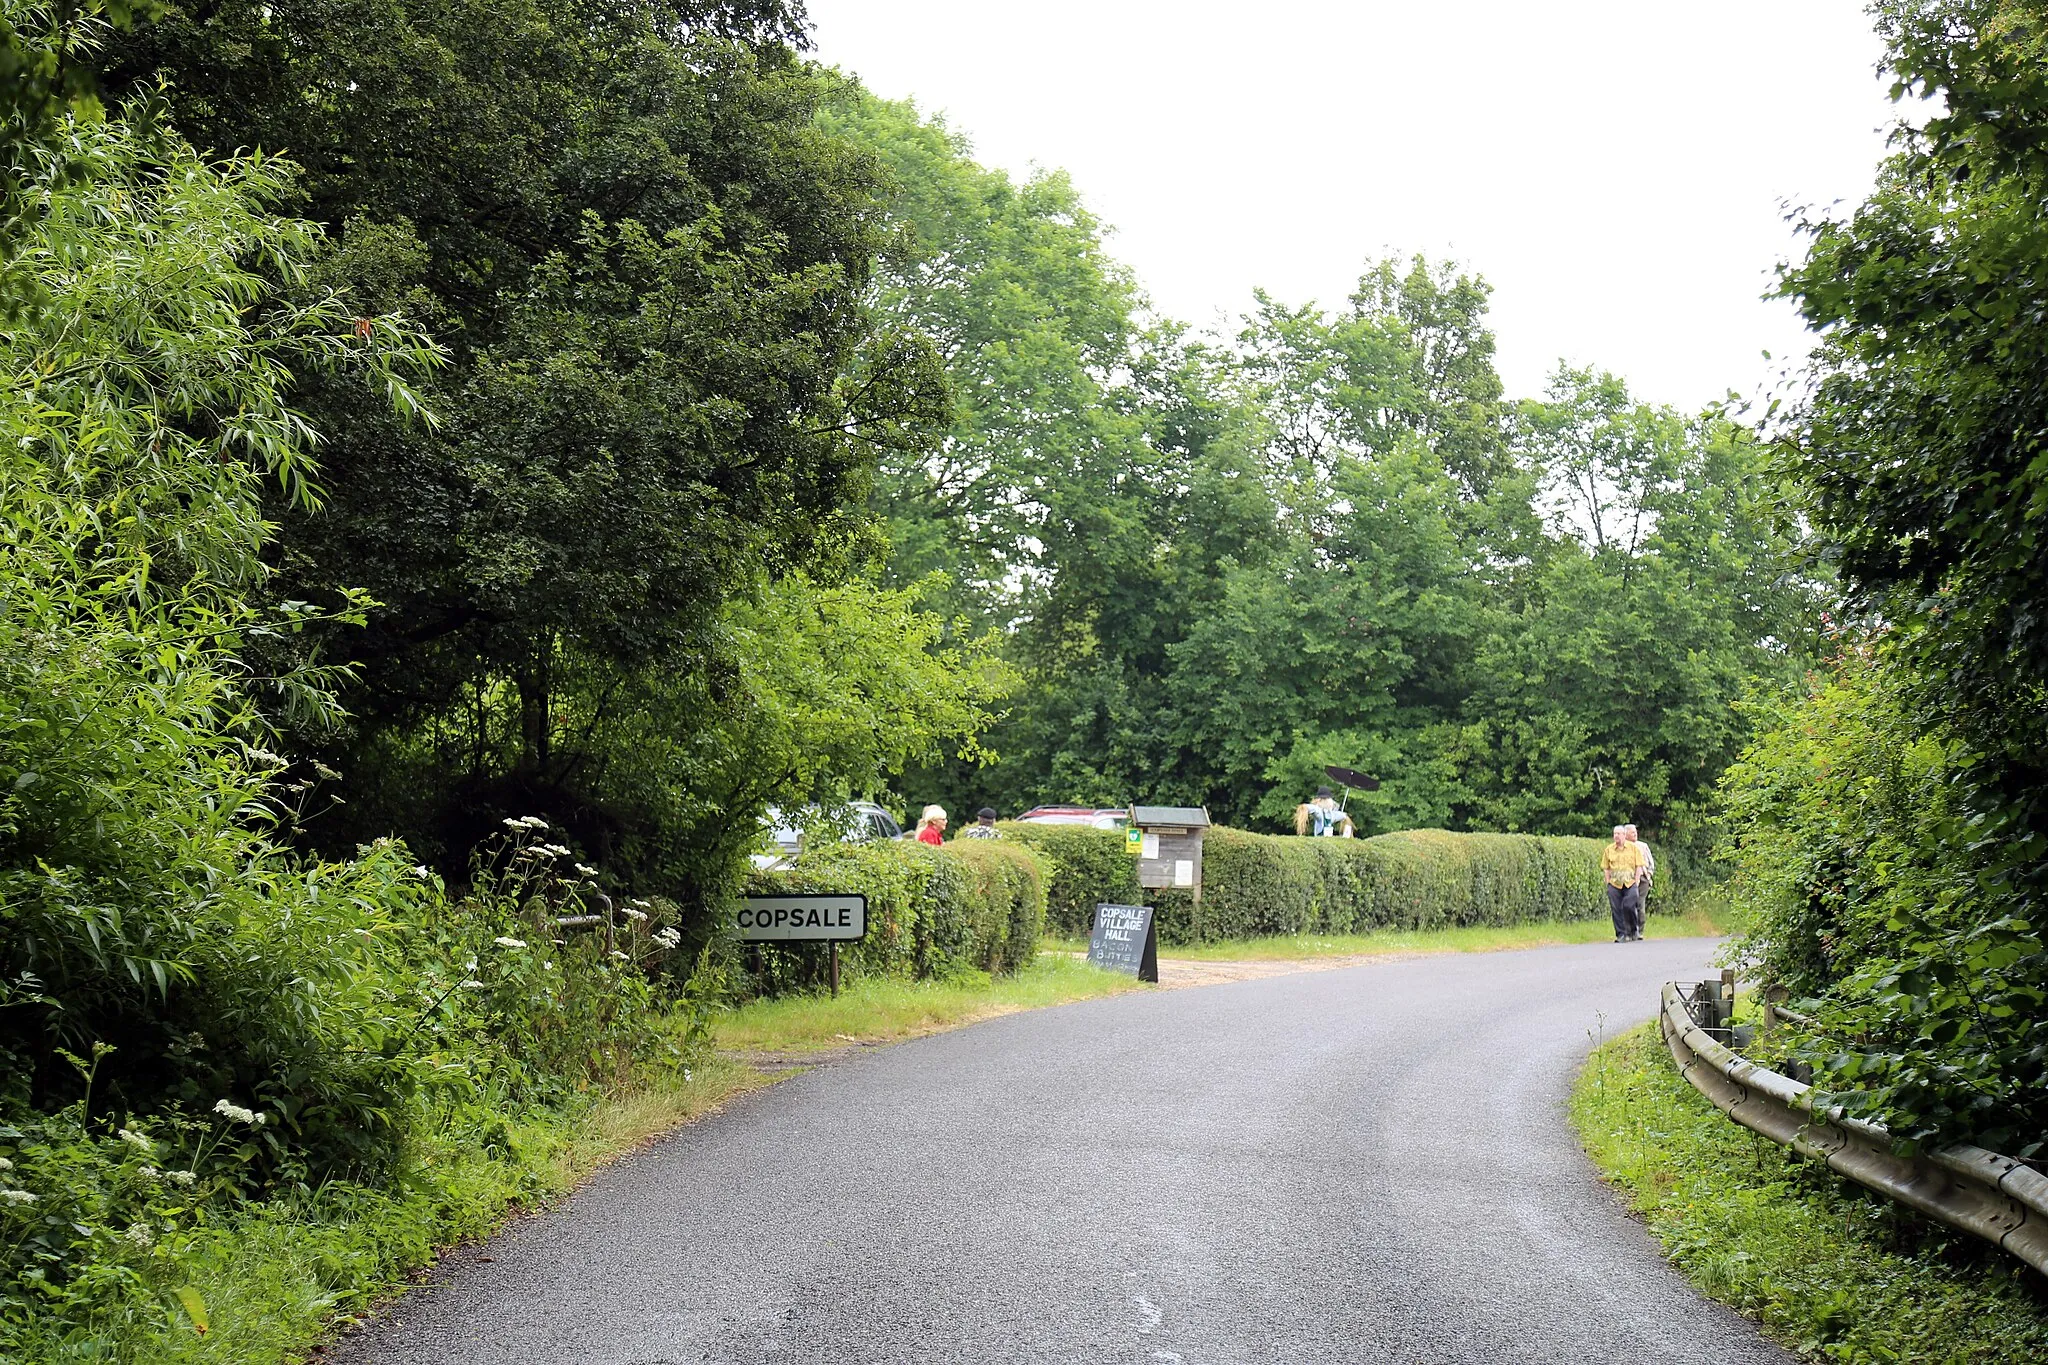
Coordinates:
(1832, 1272)
(887, 1010)
(1699, 918)
(271, 1281)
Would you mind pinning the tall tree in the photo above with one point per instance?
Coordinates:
(651, 265)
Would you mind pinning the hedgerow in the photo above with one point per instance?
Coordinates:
(932, 912)
(1262, 884)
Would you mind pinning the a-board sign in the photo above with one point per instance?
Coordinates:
(803, 918)
(1125, 941)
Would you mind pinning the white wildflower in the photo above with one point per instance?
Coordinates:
(235, 1113)
(686, 1074)
(265, 756)
(586, 869)
(557, 850)
(474, 986)
(504, 941)
(630, 913)
(422, 871)
(16, 1197)
(149, 1172)
(547, 966)
(667, 938)
(325, 771)
(136, 1140)
(182, 1179)
(140, 1234)
(618, 956)
(5, 1164)
(514, 822)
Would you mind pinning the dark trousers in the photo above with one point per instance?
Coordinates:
(1625, 908)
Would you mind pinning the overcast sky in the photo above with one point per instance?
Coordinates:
(1616, 169)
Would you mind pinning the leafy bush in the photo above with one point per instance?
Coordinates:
(1866, 884)
(972, 905)
(1263, 884)
(193, 1018)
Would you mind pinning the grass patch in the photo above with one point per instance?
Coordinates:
(1699, 918)
(886, 1010)
(1832, 1272)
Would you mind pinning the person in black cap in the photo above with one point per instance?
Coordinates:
(984, 826)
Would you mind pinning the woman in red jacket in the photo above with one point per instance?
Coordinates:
(931, 826)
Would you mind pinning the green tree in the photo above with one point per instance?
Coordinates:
(144, 422)
(1921, 445)
(652, 266)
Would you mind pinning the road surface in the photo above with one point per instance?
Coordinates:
(1345, 1166)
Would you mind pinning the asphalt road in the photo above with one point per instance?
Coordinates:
(1350, 1166)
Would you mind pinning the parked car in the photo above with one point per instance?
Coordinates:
(862, 822)
(1097, 816)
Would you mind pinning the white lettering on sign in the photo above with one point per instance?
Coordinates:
(802, 918)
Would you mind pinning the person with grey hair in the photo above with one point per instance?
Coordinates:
(1643, 886)
(1621, 867)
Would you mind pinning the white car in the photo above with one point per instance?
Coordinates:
(861, 822)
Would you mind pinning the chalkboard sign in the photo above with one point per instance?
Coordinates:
(1125, 941)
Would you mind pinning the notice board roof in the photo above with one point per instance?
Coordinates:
(1188, 817)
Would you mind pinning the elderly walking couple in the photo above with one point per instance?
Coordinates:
(1628, 865)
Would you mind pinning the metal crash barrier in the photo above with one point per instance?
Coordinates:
(1990, 1196)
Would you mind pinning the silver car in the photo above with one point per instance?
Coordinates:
(859, 822)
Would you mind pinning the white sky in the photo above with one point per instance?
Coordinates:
(1617, 169)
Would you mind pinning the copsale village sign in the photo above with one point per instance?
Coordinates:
(803, 918)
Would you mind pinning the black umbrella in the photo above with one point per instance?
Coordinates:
(1349, 778)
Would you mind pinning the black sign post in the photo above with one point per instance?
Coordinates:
(805, 917)
(1125, 941)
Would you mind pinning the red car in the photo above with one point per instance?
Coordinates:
(1100, 818)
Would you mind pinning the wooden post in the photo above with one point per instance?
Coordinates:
(835, 969)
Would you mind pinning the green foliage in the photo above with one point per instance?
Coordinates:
(142, 411)
(967, 906)
(1895, 828)
(1833, 1273)
(665, 398)
(1221, 566)
(1258, 884)
(1089, 867)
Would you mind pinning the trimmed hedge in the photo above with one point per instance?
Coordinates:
(1261, 884)
(971, 905)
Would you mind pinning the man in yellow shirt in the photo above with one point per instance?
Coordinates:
(1621, 864)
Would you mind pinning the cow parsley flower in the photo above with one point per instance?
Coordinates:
(630, 913)
(5, 1164)
(182, 1179)
(474, 986)
(136, 1140)
(149, 1172)
(140, 1235)
(504, 941)
(16, 1197)
(235, 1113)
(667, 938)
(618, 956)
(586, 869)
